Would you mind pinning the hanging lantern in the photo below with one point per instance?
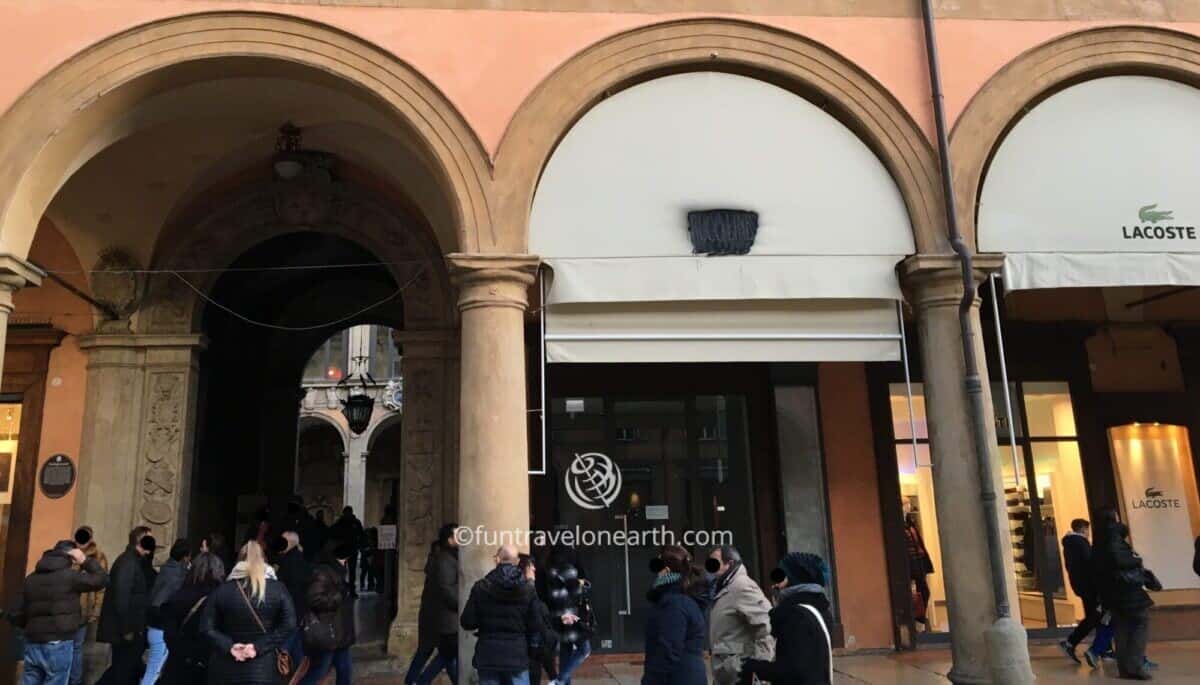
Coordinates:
(358, 409)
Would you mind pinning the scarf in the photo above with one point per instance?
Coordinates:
(239, 572)
(802, 587)
(666, 579)
(724, 581)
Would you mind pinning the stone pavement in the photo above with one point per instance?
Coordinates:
(1179, 664)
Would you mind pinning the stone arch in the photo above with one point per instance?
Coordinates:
(41, 147)
(204, 237)
(794, 62)
(381, 425)
(310, 418)
(1046, 69)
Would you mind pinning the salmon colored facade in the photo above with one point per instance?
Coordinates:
(473, 97)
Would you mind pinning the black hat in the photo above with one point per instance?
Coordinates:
(83, 535)
(803, 568)
(65, 546)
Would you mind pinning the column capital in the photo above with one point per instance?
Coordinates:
(486, 280)
(144, 341)
(16, 273)
(936, 280)
(430, 343)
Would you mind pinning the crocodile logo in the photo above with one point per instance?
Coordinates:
(1152, 492)
(1150, 214)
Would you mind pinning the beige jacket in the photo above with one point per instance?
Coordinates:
(90, 602)
(739, 626)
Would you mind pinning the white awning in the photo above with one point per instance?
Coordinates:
(1096, 186)
(1028, 270)
(757, 331)
(760, 277)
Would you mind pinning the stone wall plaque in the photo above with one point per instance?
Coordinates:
(57, 476)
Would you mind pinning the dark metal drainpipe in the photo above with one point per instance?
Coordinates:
(972, 384)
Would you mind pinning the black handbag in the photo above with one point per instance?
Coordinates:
(318, 635)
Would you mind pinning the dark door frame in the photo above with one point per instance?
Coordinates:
(26, 360)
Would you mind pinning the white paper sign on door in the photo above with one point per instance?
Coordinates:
(1156, 500)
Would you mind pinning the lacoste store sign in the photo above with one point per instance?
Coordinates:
(1157, 225)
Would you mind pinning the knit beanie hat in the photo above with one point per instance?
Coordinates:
(802, 568)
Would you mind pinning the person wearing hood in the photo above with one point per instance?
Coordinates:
(246, 621)
(49, 611)
(1121, 581)
(89, 602)
(739, 623)
(437, 619)
(675, 627)
(167, 583)
(500, 610)
(123, 614)
(800, 624)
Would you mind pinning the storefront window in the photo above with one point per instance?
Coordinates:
(10, 435)
(1040, 509)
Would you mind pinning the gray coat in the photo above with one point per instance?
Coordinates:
(438, 615)
(170, 578)
(739, 626)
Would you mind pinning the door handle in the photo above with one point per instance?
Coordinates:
(628, 610)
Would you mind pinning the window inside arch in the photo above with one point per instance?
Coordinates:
(331, 362)
(385, 354)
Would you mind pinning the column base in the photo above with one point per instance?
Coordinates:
(402, 638)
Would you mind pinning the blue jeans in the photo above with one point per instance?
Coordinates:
(77, 658)
(48, 663)
(157, 657)
(570, 657)
(503, 678)
(319, 664)
(1103, 640)
(295, 648)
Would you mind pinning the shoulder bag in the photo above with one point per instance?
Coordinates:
(283, 660)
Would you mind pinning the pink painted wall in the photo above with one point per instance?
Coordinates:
(487, 62)
(62, 415)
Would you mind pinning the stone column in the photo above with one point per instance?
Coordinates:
(14, 274)
(934, 284)
(493, 486)
(354, 477)
(426, 354)
(138, 436)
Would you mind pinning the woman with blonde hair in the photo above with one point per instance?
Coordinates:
(247, 620)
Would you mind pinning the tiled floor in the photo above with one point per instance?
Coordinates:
(1179, 664)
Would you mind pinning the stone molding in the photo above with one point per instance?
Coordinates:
(493, 280)
(15, 273)
(1044, 70)
(936, 280)
(52, 105)
(781, 57)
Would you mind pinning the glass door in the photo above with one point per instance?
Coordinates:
(10, 436)
(684, 465)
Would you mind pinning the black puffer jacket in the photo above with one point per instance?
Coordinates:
(48, 604)
(170, 578)
(500, 610)
(126, 601)
(1113, 560)
(801, 645)
(295, 572)
(328, 597)
(229, 621)
(183, 633)
(438, 615)
(675, 632)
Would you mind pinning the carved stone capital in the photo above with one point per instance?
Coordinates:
(16, 273)
(936, 280)
(492, 280)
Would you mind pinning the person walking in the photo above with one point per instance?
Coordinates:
(246, 621)
(437, 618)
(920, 565)
(1077, 556)
(187, 647)
(348, 530)
(170, 579)
(566, 595)
(543, 641)
(1121, 581)
(739, 623)
(800, 625)
(90, 603)
(331, 604)
(295, 572)
(123, 614)
(214, 543)
(48, 609)
(675, 627)
(501, 613)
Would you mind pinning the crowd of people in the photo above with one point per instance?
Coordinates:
(280, 611)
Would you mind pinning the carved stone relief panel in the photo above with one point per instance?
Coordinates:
(163, 425)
